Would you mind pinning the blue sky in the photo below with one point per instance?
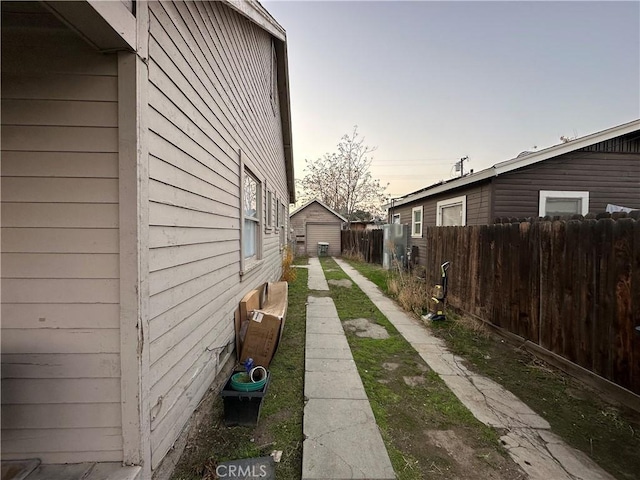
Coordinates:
(430, 82)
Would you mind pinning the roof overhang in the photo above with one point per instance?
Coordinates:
(257, 14)
(517, 163)
(108, 26)
(322, 204)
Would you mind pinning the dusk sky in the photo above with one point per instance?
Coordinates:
(430, 82)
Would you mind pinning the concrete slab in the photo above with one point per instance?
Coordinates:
(343, 442)
(322, 353)
(341, 385)
(321, 340)
(326, 326)
(311, 300)
(316, 280)
(329, 365)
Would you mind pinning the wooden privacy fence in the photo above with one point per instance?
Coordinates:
(571, 287)
(366, 242)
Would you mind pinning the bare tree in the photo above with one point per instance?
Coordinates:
(342, 180)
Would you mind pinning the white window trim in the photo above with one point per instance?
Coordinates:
(544, 194)
(395, 216)
(448, 203)
(413, 222)
(248, 264)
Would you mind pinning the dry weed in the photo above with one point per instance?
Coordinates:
(288, 272)
(353, 255)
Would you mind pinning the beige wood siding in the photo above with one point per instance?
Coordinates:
(60, 287)
(323, 232)
(608, 177)
(209, 97)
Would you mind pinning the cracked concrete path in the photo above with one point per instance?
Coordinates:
(529, 441)
(342, 440)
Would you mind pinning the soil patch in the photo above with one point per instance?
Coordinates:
(365, 328)
(341, 283)
(414, 381)
(473, 463)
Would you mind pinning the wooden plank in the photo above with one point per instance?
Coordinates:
(175, 236)
(61, 139)
(60, 390)
(59, 112)
(46, 340)
(201, 306)
(58, 215)
(59, 190)
(167, 257)
(622, 328)
(605, 281)
(166, 155)
(60, 164)
(589, 293)
(170, 195)
(61, 440)
(60, 315)
(59, 58)
(56, 265)
(52, 86)
(62, 416)
(60, 240)
(163, 280)
(168, 299)
(35, 290)
(61, 365)
(634, 357)
(188, 174)
(169, 215)
(54, 458)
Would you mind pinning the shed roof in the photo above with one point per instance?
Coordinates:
(315, 200)
(520, 161)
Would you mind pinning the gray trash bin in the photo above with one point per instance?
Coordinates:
(323, 249)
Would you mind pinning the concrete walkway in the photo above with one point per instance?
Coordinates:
(529, 441)
(342, 440)
(316, 279)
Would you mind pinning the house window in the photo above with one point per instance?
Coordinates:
(416, 222)
(452, 212)
(274, 79)
(268, 211)
(251, 227)
(396, 218)
(563, 203)
(283, 226)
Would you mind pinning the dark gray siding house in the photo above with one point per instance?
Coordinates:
(581, 176)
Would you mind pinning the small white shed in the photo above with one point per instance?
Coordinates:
(315, 223)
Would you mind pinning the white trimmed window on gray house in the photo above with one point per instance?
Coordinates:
(251, 196)
(563, 203)
(396, 218)
(452, 212)
(416, 222)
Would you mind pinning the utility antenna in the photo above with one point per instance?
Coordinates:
(460, 165)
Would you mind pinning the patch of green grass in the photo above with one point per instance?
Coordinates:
(607, 433)
(404, 413)
(301, 260)
(374, 273)
(280, 425)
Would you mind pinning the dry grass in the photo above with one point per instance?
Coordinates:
(409, 290)
(353, 255)
(288, 272)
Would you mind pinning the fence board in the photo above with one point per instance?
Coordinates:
(567, 286)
